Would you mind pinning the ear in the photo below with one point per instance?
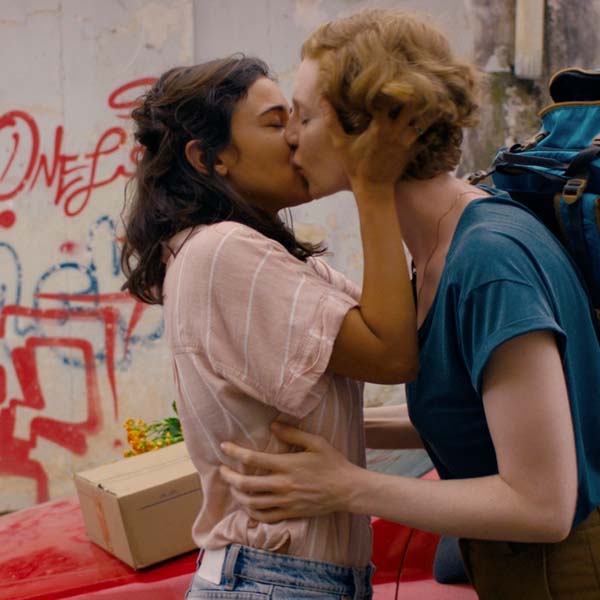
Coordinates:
(226, 160)
(221, 167)
(195, 156)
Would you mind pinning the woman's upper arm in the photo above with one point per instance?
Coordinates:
(528, 413)
(358, 353)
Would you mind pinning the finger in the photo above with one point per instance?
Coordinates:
(247, 483)
(273, 516)
(331, 117)
(334, 127)
(261, 501)
(255, 484)
(297, 437)
(251, 458)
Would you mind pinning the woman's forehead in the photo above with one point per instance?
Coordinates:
(263, 95)
(306, 90)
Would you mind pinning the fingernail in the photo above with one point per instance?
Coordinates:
(224, 446)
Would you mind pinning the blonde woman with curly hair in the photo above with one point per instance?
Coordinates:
(507, 399)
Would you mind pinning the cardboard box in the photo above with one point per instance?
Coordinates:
(142, 508)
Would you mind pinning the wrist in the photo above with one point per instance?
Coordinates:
(352, 487)
(375, 199)
(368, 186)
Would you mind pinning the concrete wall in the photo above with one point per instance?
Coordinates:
(77, 356)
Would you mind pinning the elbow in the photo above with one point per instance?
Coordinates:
(561, 524)
(556, 525)
(552, 533)
(559, 521)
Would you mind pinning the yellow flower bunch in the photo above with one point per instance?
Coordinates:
(144, 437)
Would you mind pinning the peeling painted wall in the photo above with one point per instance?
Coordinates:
(77, 356)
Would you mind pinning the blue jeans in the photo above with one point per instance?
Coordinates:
(251, 574)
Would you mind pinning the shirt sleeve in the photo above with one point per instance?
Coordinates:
(272, 322)
(496, 312)
(335, 278)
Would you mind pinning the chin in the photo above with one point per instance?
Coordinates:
(317, 191)
(320, 192)
(304, 199)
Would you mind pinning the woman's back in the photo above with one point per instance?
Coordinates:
(251, 330)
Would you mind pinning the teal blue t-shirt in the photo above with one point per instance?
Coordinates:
(505, 275)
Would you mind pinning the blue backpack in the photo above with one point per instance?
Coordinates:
(556, 173)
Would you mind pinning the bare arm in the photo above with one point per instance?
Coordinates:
(389, 428)
(532, 499)
(377, 341)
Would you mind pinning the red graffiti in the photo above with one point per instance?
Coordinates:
(115, 101)
(12, 120)
(74, 176)
(7, 219)
(68, 247)
(15, 452)
(111, 298)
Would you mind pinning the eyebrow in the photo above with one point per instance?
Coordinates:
(276, 108)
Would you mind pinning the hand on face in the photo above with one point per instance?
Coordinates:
(381, 153)
(300, 484)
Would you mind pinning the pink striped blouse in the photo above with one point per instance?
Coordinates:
(251, 329)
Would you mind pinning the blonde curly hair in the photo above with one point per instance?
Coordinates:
(384, 59)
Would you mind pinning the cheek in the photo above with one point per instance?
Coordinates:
(311, 144)
(270, 152)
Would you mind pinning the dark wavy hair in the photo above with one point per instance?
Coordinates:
(167, 194)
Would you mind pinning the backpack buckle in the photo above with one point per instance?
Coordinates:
(476, 177)
(573, 190)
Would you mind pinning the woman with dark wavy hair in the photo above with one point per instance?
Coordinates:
(260, 328)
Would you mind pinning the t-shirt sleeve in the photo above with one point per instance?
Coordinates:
(272, 322)
(335, 278)
(496, 312)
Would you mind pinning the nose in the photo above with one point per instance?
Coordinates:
(291, 135)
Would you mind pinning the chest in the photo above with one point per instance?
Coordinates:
(445, 407)
(443, 399)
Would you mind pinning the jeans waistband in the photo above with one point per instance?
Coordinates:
(283, 569)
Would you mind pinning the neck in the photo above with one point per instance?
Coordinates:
(421, 205)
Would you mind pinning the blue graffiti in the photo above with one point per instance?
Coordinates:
(80, 278)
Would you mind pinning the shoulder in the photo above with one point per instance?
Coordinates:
(498, 239)
(498, 221)
(228, 241)
(334, 277)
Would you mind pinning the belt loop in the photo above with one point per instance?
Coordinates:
(228, 575)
